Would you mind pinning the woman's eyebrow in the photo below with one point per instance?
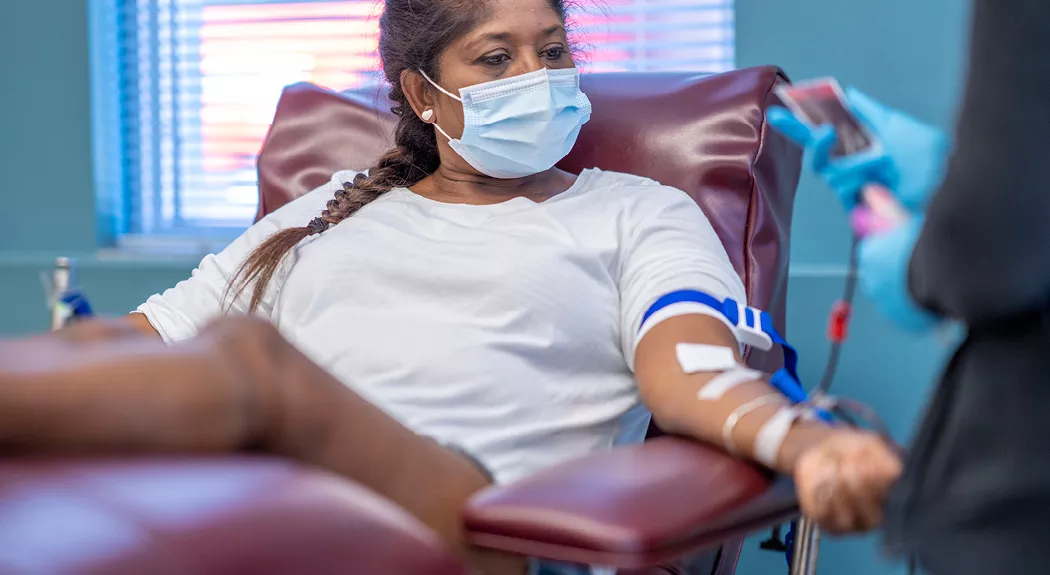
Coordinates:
(508, 36)
(554, 30)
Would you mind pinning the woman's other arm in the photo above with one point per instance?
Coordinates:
(178, 313)
(100, 388)
(140, 323)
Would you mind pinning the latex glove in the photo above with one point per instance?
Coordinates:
(910, 164)
(843, 480)
(882, 265)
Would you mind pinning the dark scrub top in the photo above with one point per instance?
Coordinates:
(975, 494)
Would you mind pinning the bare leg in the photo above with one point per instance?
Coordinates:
(104, 388)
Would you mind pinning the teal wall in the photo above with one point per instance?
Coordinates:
(46, 181)
(906, 52)
(45, 159)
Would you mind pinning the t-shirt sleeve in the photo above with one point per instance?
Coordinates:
(667, 244)
(180, 312)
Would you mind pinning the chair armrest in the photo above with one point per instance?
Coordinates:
(215, 515)
(631, 507)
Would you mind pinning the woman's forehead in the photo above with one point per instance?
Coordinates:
(523, 20)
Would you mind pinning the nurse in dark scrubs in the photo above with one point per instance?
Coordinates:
(975, 493)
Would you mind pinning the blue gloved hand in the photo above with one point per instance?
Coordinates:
(882, 265)
(910, 164)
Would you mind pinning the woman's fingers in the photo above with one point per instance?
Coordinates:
(821, 496)
(865, 494)
(838, 508)
(837, 514)
(873, 467)
(843, 481)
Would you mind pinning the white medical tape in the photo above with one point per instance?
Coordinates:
(700, 357)
(742, 411)
(723, 382)
(773, 432)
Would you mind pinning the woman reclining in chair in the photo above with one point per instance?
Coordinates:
(479, 296)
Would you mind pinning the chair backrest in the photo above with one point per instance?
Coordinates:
(704, 134)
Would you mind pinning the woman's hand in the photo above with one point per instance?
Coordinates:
(842, 481)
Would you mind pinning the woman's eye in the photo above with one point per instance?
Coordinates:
(495, 59)
(554, 53)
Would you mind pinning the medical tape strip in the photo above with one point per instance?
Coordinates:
(699, 358)
(723, 382)
(773, 432)
(742, 411)
(771, 436)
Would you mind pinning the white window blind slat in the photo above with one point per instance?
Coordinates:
(199, 81)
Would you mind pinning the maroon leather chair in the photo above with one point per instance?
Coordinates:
(634, 508)
(203, 516)
(703, 134)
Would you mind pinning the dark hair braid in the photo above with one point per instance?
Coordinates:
(412, 36)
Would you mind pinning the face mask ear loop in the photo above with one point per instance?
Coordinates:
(445, 92)
(438, 128)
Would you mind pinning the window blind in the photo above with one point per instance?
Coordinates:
(197, 82)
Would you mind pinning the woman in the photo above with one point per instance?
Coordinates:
(975, 494)
(484, 298)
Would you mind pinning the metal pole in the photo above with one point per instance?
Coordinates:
(59, 284)
(806, 547)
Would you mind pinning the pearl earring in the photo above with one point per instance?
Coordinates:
(428, 115)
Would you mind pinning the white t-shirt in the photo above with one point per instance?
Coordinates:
(507, 329)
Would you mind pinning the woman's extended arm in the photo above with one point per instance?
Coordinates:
(672, 395)
(669, 247)
(841, 475)
(103, 388)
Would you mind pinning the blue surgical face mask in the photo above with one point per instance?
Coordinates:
(520, 126)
